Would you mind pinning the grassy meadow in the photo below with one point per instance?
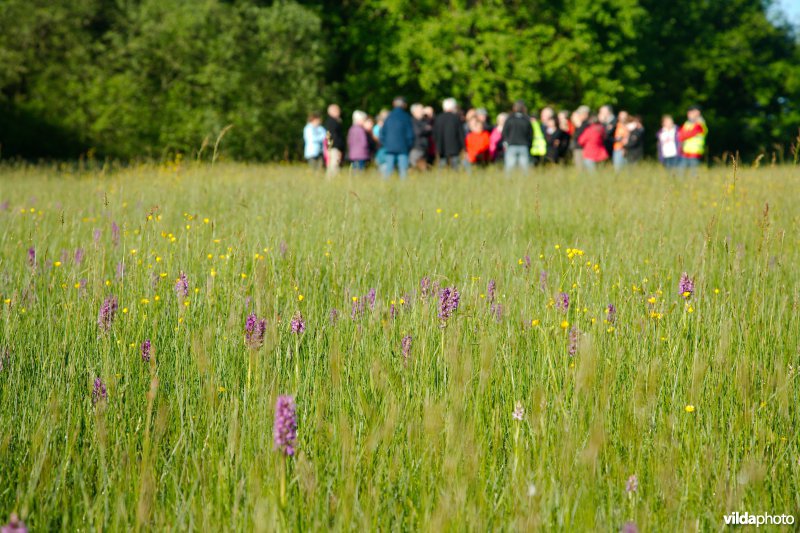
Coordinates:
(516, 413)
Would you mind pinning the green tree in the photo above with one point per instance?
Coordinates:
(156, 76)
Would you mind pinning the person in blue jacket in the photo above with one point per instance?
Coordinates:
(397, 139)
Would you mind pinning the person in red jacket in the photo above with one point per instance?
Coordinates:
(477, 144)
(692, 137)
(592, 141)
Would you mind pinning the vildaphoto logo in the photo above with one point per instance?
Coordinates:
(747, 519)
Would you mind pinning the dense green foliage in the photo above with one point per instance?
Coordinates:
(146, 77)
(156, 76)
(387, 443)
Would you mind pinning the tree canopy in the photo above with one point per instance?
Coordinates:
(133, 78)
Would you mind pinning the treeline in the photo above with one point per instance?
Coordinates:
(145, 78)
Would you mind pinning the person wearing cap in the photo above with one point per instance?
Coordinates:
(692, 137)
(397, 139)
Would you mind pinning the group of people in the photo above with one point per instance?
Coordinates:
(417, 138)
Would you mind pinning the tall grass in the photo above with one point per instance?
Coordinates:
(426, 442)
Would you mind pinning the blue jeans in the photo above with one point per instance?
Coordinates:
(618, 160)
(517, 157)
(358, 165)
(590, 166)
(671, 162)
(691, 164)
(390, 160)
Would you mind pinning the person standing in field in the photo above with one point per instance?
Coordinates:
(313, 139)
(539, 143)
(397, 139)
(477, 145)
(376, 134)
(422, 137)
(592, 141)
(692, 137)
(620, 136)
(605, 115)
(668, 145)
(369, 127)
(358, 142)
(448, 134)
(555, 138)
(517, 138)
(580, 121)
(335, 139)
(568, 129)
(634, 145)
(496, 139)
(430, 117)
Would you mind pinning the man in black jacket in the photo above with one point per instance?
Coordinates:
(335, 138)
(517, 138)
(448, 134)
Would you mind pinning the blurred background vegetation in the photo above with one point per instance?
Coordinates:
(147, 78)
